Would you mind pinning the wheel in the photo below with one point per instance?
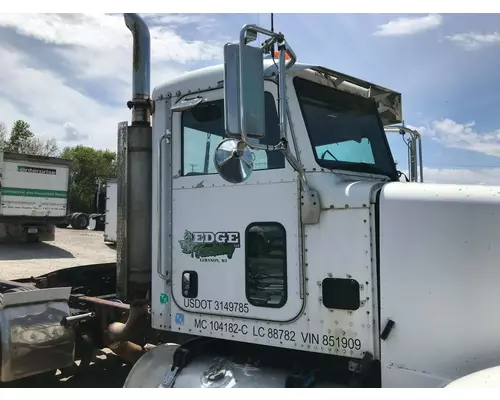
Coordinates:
(80, 221)
(71, 218)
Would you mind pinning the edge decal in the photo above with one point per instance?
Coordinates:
(209, 246)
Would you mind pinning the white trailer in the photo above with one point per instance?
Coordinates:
(110, 230)
(33, 196)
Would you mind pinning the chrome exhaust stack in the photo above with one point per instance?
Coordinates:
(134, 220)
(141, 63)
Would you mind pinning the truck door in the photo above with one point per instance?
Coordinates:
(235, 247)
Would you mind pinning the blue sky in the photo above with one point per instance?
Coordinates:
(69, 75)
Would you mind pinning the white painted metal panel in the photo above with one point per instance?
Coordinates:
(34, 189)
(223, 278)
(343, 231)
(339, 247)
(206, 203)
(439, 281)
(489, 377)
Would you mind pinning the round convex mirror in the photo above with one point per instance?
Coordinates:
(233, 160)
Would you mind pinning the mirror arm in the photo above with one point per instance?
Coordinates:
(253, 29)
(247, 34)
(282, 89)
(293, 58)
(417, 149)
(268, 45)
(298, 168)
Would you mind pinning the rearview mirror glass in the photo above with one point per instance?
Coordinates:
(245, 114)
(233, 160)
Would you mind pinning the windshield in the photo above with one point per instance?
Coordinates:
(345, 130)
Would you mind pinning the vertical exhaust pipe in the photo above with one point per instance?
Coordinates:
(141, 64)
(134, 220)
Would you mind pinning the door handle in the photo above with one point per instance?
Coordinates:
(190, 284)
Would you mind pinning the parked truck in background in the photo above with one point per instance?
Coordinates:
(96, 220)
(34, 195)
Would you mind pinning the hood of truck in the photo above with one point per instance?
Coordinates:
(439, 277)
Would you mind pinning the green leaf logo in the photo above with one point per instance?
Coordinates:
(187, 245)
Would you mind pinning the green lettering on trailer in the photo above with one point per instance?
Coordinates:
(24, 192)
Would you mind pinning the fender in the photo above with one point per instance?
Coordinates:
(206, 370)
(485, 378)
(208, 365)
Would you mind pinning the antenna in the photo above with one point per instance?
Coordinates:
(272, 22)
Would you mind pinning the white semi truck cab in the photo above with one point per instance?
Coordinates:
(280, 237)
(264, 240)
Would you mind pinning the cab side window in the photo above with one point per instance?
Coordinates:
(266, 269)
(203, 129)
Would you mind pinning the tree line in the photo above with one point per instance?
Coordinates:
(91, 167)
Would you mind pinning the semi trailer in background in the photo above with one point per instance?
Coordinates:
(34, 193)
(97, 220)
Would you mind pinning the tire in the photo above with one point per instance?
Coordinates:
(80, 221)
(71, 218)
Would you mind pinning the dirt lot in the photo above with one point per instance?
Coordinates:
(71, 248)
(106, 371)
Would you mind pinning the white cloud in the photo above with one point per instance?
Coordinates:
(479, 176)
(457, 135)
(474, 41)
(95, 51)
(409, 26)
(72, 133)
(461, 176)
(42, 97)
(202, 21)
(463, 136)
(103, 33)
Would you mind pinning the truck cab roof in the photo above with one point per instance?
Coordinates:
(209, 78)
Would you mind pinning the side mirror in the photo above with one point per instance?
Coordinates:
(244, 107)
(233, 160)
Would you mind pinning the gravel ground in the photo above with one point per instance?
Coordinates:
(70, 249)
(106, 371)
